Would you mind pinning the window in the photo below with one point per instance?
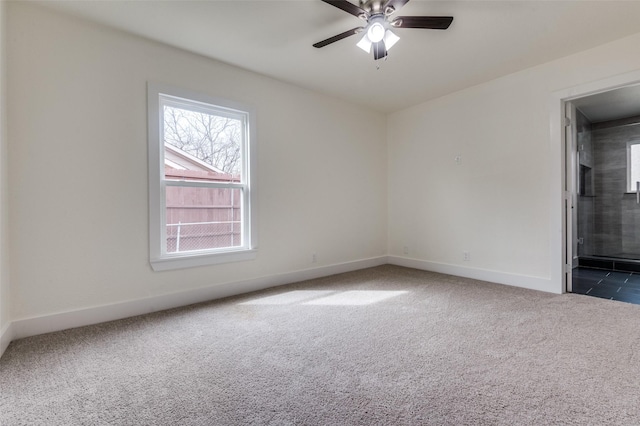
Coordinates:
(633, 165)
(201, 192)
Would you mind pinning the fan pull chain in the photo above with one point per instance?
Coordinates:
(378, 62)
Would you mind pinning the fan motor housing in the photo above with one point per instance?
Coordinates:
(373, 7)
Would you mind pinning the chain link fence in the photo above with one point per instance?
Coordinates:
(203, 235)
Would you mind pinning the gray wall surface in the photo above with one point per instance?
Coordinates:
(616, 215)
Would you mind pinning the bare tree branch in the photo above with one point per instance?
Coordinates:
(213, 139)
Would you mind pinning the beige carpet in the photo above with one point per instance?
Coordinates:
(383, 346)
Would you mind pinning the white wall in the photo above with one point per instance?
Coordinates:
(5, 318)
(78, 168)
(502, 202)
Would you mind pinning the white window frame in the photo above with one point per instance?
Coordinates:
(631, 186)
(157, 96)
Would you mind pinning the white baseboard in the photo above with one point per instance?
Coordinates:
(61, 321)
(22, 328)
(6, 336)
(524, 281)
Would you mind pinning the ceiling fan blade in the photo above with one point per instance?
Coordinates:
(395, 4)
(379, 51)
(428, 22)
(338, 37)
(348, 7)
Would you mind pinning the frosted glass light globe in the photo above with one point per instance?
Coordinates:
(375, 32)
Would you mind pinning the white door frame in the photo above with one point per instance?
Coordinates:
(570, 204)
(561, 242)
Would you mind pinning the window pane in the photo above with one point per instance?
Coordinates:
(634, 164)
(203, 218)
(202, 146)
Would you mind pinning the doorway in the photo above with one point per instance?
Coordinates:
(603, 167)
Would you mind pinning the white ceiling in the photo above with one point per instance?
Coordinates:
(487, 39)
(612, 105)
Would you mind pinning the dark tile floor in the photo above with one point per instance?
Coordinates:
(614, 285)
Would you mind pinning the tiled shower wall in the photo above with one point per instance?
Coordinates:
(615, 218)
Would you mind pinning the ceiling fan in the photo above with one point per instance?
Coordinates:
(377, 32)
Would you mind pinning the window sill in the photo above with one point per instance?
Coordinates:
(192, 260)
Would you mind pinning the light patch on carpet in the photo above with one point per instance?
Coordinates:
(289, 298)
(355, 298)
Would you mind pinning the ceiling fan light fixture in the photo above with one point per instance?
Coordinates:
(376, 32)
(365, 43)
(390, 39)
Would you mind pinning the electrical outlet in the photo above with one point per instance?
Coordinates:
(314, 258)
(458, 159)
(466, 256)
(405, 250)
